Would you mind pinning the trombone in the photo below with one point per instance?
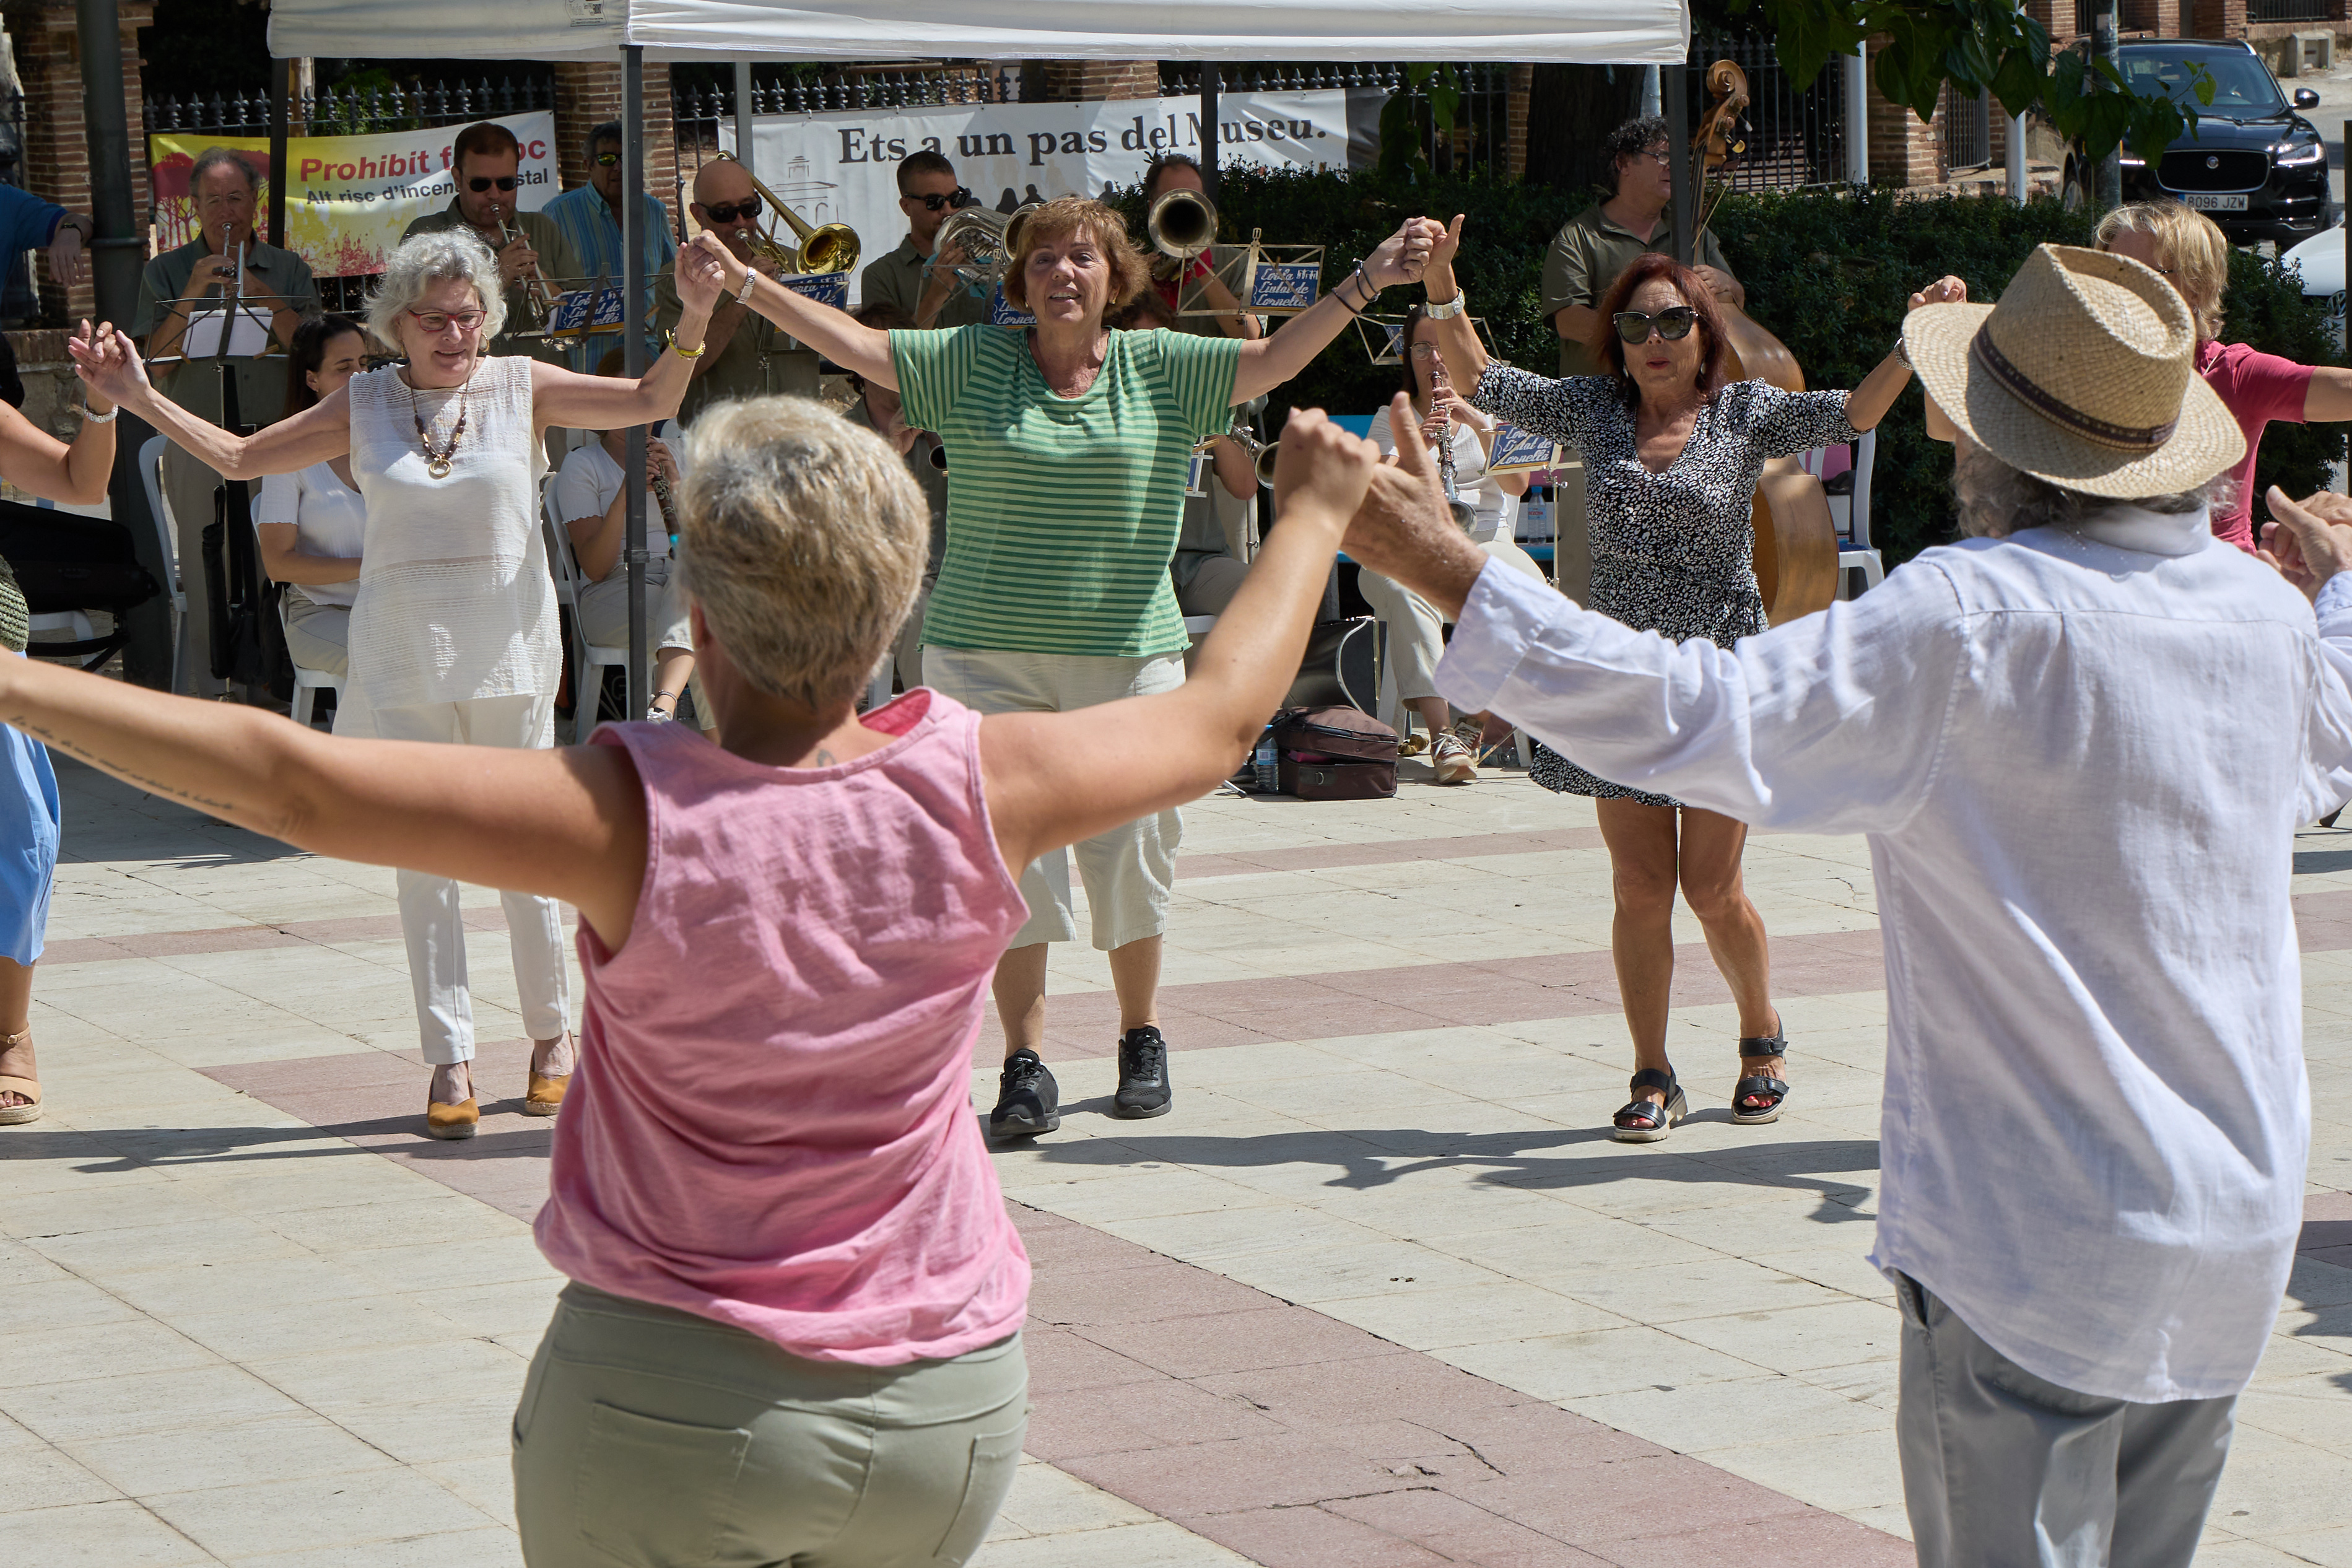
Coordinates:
(1180, 225)
(822, 247)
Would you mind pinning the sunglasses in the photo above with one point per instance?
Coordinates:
(481, 183)
(606, 159)
(728, 212)
(959, 197)
(1673, 324)
(437, 322)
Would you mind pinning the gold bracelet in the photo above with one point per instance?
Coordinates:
(695, 353)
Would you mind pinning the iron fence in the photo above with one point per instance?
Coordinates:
(1966, 120)
(1476, 143)
(1795, 132)
(851, 89)
(2293, 10)
(332, 112)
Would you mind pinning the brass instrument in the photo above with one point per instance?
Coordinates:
(1180, 225)
(538, 303)
(822, 247)
(988, 239)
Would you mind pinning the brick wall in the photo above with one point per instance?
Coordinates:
(2216, 18)
(587, 94)
(56, 137)
(1082, 81)
(1516, 91)
(1904, 148)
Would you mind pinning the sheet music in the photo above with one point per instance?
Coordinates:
(248, 337)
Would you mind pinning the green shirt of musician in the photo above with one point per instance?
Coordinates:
(896, 278)
(1063, 512)
(556, 264)
(1586, 256)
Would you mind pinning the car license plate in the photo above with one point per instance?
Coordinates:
(2212, 203)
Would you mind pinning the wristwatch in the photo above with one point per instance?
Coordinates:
(1434, 312)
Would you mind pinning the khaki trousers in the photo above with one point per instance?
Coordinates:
(653, 1438)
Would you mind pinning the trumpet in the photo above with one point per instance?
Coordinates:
(822, 247)
(1262, 453)
(538, 303)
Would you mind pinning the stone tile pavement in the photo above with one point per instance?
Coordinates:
(1378, 1290)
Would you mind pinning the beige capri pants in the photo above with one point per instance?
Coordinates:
(1416, 631)
(652, 1436)
(318, 636)
(1130, 872)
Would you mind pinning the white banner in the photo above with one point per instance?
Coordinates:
(842, 167)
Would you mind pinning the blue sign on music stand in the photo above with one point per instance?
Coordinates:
(1285, 285)
(1001, 313)
(824, 287)
(571, 316)
(1517, 448)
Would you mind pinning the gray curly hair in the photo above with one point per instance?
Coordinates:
(1997, 501)
(425, 259)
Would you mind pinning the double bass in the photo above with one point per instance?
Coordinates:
(1796, 546)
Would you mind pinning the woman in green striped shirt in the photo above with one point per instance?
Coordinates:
(1066, 446)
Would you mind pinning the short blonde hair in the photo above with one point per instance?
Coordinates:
(439, 256)
(803, 539)
(2189, 248)
(1130, 269)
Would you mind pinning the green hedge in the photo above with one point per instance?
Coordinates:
(1828, 273)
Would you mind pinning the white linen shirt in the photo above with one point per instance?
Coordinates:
(2080, 758)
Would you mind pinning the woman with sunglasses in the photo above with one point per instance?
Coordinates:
(1416, 632)
(452, 631)
(1672, 455)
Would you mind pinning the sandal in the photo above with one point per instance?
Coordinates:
(27, 1088)
(1644, 1121)
(1757, 1097)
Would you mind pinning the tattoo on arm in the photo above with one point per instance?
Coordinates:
(153, 786)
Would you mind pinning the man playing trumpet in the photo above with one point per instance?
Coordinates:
(743, 356)
(532, 254)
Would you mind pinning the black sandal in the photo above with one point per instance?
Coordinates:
(1759, 1086)
(1645, 1122)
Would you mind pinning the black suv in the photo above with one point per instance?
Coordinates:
(2254, 166)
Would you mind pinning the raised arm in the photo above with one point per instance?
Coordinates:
(1457, 340)
(32, 459)
(568, 825)
(565, 398)
(1056, 778)
(862, 351)
(1270, 362)
(1876, 395)
(2328, 398)
(109, 366)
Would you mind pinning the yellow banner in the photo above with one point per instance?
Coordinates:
(348, 197)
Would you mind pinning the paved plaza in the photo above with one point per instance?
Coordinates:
(1380, 1293)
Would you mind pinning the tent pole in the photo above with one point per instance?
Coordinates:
(281, 89)
(632, 349)
(743, 114)
(1676, 83)
(1209, 88)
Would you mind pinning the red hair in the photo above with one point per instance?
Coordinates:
(1715, 340)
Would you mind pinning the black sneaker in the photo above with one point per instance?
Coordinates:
(1143, 1089)
(1028, 1101)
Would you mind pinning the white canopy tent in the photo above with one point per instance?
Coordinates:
(1574, 31)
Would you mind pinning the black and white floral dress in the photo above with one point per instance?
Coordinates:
(1670, 552)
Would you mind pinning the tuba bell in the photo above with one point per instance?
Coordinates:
(822, 247)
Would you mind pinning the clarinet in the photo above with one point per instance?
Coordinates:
(1464, 512)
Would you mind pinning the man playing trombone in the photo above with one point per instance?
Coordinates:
(1192, 283)
(534, 259)
(184, 286)
(920, 277)
(743, 356)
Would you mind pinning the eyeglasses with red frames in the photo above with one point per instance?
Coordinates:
(440, 321)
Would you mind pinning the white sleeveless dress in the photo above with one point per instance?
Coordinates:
(455, 600)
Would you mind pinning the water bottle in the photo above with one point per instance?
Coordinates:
(1263, 766)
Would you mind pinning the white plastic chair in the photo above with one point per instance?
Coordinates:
(72, 623)
(150, 474)
(308, 683)
(1851, 513)
(590, 658)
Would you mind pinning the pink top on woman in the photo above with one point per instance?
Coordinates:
(2256, 388)
(772, 1120)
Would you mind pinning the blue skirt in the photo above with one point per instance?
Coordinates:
(28, 843)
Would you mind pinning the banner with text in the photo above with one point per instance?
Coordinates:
(350, 196)
(842, 167)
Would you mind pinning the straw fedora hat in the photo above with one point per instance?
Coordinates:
(2084, 374)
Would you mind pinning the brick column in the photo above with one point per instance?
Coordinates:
(587, 94)
(1517, 91)
(2216, 18)
(1084, 81)
(56, 131)
(1904, 150)
(2056, 16)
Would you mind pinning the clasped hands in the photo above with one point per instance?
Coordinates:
(2312, 539)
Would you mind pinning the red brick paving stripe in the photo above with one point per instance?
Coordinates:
(1385, 852)
(244, 939)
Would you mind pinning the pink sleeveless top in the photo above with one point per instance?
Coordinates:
(771, 1121)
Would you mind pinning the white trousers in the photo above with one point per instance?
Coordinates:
(430, 919)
